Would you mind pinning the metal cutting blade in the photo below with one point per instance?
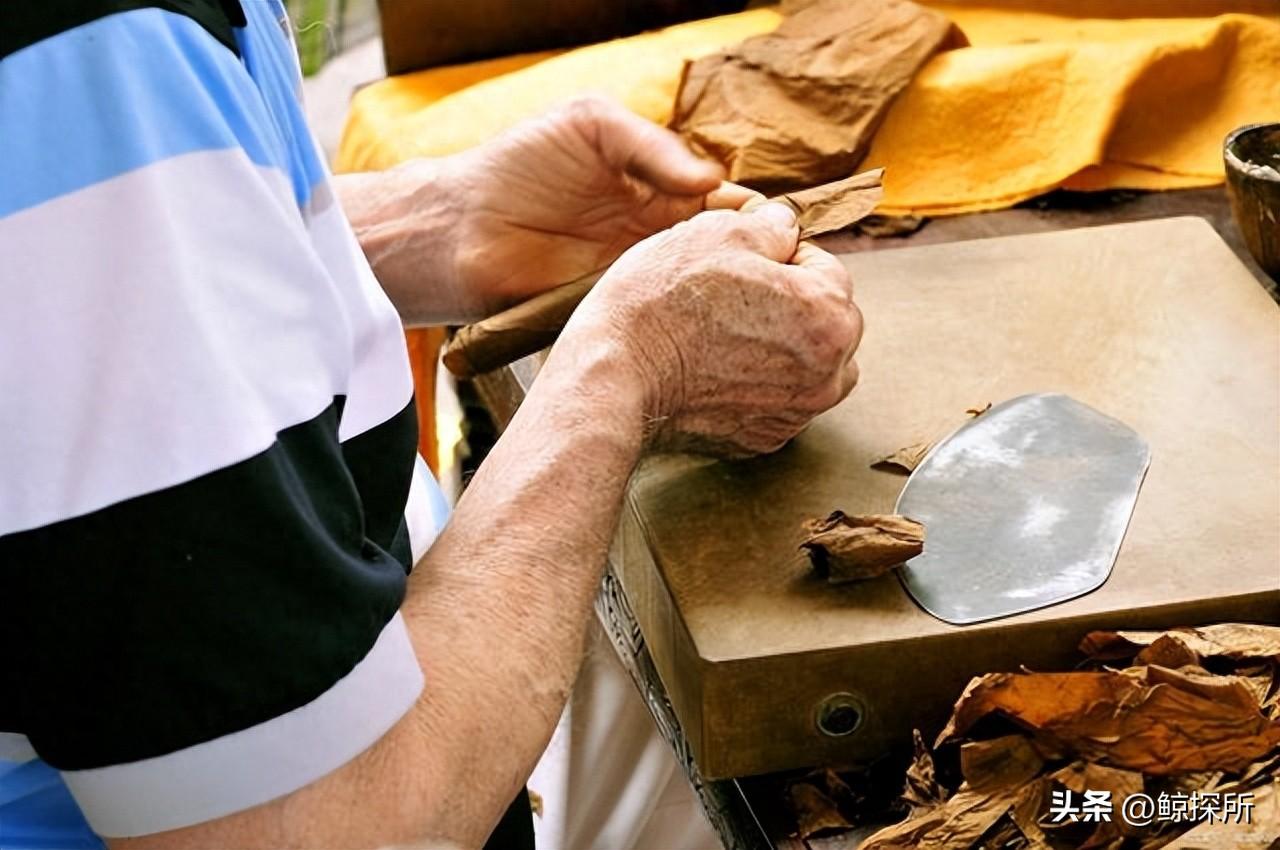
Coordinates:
(1025, 506)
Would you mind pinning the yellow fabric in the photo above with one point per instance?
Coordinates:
(1042, 101)
(445, 110)
(1037, 102)
(376, 135)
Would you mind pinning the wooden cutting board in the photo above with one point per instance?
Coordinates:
(1156, 324)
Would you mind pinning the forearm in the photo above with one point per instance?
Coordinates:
(497, 611)
(401, 216)
(499, 607)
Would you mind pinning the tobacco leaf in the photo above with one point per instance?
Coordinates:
(1167, 651)
(1260, 832)
(1147, 729)
(1119, 784)
(1028, 807)
(1084, 776)
(1149, 719)
(999, 762)
(799, 105)
(1003, 836)
(957, 823)
(534, 324)
(1234, 641)
(835, 206)
(815, 813)
(891, 226)
(1259, 773)
(922, 791)
(1261, 679)
(854, 548)
(907, 458)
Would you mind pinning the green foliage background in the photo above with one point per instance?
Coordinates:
(323, 28)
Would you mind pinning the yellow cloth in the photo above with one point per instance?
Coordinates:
(444, 110)
(1037, 102)
(1041, 101)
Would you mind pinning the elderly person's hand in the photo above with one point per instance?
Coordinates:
(568, 192)
(720, 333)
(739, 335)
(550, 200)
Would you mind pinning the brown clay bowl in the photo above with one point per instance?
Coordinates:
(1252, 158)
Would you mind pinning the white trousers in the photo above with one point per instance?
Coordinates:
(607, 779)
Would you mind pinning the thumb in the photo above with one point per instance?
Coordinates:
(731, 196)
(773, 230)
(645, 151)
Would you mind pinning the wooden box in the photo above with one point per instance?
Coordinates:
(1155, 323)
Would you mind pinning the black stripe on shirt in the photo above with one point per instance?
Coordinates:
(25, 22)
(181, 616)
(384, 486)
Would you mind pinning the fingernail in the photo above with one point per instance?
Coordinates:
(780, 214)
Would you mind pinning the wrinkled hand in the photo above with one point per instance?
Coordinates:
(564, 194)
(741, 335)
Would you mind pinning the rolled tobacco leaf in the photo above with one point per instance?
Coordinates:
(533, 325)
(854, 548)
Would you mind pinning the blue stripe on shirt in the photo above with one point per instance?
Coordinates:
(121, 93)
(271, 57)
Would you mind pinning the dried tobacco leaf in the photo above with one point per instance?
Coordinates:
(800, 105)
(959, 822)
(1003, 836)
(534, 324)
(891, 226)
(999, 762)
(1028, 807)
(1131, 731)
(1150, 719)
(1261, 679)
(922, 790)
(1168, 652)
(1260, 832)
(854, 548)
(906, 459)
(1119, 785)
(1257, 774)
(835, 206)
(1225, 640)
(815, 813)
(1084, 776)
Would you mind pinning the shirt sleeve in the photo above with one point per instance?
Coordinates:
(201, 607)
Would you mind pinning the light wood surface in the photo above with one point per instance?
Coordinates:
(1156, 324)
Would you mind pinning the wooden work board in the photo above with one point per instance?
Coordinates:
(1155, 323)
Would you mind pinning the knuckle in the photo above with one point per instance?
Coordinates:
(723, 230)
(832, 393)
(745, 229)
(588, 105)
(822, 397)
(839, 275)
(857, 325)
(586, 112)
(830, 338)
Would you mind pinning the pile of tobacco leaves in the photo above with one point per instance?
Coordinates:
(1184, 724)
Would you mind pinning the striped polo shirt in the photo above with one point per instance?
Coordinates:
(210, 496)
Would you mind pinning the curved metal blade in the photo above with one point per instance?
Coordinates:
(1025, 506)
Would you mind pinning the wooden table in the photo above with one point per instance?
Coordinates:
(749, 813)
